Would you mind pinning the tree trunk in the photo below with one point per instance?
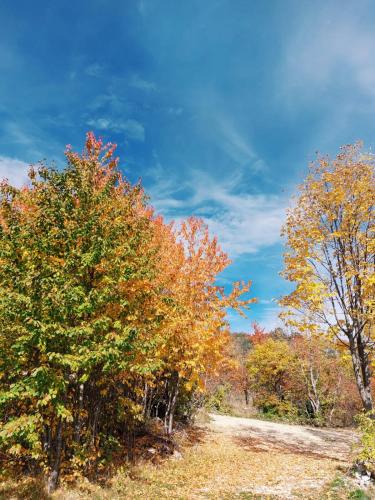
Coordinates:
(55, 471)
(172, 399)
(313, 394)
(144, 400)
(95, 425)
(246, 392)
(362, 373)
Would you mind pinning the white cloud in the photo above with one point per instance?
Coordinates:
(176, 111)
(248, 223)
(101, 123)
(243, 222)
(132, 128)
(233, 142)
(270, 318)
(15, 171)
(223, 130)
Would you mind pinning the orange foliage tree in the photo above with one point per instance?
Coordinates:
(107, 314)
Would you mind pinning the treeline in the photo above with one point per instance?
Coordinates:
(306, 379)
(108, 315)
(302, 378)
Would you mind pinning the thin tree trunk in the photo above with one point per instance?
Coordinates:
(314, 396)
(246, 392)
(172, 399)
(55, 472)
(78, 423)
(47, 440)
(95, 425)
(144, 400)
(149, 402)
(130, 437)
(172, 410)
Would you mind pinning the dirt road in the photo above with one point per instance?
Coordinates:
(263, 435)
(269, 460)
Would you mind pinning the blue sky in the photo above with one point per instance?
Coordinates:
(218, 105)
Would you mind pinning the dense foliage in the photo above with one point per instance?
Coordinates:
(108, 315)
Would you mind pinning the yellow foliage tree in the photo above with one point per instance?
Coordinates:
(330, 257)
(271, 365)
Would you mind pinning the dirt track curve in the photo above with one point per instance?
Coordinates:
(263, 435)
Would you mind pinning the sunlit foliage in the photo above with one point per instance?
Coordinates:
(330, 257)
(108, 315)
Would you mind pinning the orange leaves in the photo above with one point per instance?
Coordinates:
(259, 334)
(119, 309)
(194, 307)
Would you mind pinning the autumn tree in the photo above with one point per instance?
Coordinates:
(324, 386)
(258, 335)
(230, 382)
(303, 377)
(330, 256)
(107, 314)
(195, 330)
(73, 255)
(271, 364)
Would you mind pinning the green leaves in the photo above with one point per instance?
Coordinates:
(21, 432)
(68, 245)
(103, 307)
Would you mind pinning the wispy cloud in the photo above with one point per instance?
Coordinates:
(142, 7)
(270, 318)
(26, 138)
(234, 143)
(133, 129)
(222, 129)
(243, 222)
(267, 319)
(94, 69)
(176, 111)
(139, 83)
(329, 49)
(14, 170)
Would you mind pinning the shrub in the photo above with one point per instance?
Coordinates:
(366, 425)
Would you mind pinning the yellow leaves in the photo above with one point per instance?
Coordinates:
(16, 450)
(114, 301)
(330, 241)
(64, 413)
(269, 361)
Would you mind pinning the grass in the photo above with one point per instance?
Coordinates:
(343, 488)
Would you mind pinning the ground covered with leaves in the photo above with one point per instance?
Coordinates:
(221, 462)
